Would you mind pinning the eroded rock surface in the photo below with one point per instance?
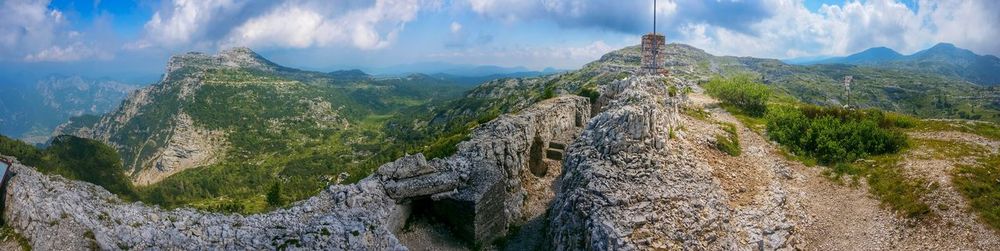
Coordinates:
(631, 182)
(55, 213)
(481, 185)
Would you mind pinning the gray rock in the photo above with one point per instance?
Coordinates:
(479, 187)
(627, 186)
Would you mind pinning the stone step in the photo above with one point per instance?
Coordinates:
(557, 145)
(554, 154)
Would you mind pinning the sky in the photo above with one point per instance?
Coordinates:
(123, 38)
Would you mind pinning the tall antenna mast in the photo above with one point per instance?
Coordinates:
(654, 16)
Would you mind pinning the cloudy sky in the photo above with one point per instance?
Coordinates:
(118, 37)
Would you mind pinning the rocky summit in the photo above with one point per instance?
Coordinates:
(638, 169)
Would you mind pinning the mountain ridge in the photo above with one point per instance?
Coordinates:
(942, 58)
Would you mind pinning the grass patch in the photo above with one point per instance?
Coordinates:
(981, 184)
(699, 114)
(984, 129)
(895, 190)
(756, 124)
(729, 142)
(945, 149)
(7, 233)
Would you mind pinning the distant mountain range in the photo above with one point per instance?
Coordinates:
(466, 79)
(31, 111)
(459, 70)
(944, 59)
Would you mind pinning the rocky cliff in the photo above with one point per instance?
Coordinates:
(156, 139)
(481, 189)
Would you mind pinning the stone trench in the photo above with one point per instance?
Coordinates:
(479, 193)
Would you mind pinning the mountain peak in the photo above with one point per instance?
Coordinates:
(947, 51)
(944, 46)
(238, 52)
(872, 55)
(236, 57)
(243, 57)
(882, 50)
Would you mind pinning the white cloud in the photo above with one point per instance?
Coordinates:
(455, 27)
(794, 31)
(182, 21)
(73, 52)
(529, 56)
(625, 16)
(292, 26)
(371, 24)
(30, 31)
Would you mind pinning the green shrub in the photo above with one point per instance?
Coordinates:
(25, 153)
(590, 93)
(274, 195)
(832, 135)
(837, 137)
(548, 93)
(740, 91)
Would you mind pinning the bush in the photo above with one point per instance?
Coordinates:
(274, 195)
(548, 93)
(590, 93)
(742, 92)
(832, 135)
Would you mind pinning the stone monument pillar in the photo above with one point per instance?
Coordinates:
(653, 54)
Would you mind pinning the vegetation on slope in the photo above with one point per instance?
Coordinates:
(283, 132)
(74, 158)
(741, 91)
(832, 136)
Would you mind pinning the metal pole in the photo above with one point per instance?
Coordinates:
(656, 44)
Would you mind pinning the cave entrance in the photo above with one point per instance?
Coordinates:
(535, 158)
(428, 229)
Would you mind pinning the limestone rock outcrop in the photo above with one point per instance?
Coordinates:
(629, 184)
(55, 213)
(480, 188)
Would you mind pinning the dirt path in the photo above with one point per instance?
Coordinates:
(846, 217)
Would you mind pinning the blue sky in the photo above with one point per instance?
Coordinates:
(122, 37)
